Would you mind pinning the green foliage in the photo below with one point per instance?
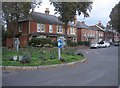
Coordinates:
(86, 43)
(39, 56)
(115, 17)
(80, 43)
(26, 58)
(68, 10)
(39, 41)
(70, 43)
(55, 43)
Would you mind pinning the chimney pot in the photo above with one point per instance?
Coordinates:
(47, 11)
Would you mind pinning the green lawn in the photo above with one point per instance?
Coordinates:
(40, 56)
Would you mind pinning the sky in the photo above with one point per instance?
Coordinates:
(100, 11)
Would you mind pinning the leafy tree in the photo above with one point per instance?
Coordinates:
(115, 17)
(13, 11)
(68, 10)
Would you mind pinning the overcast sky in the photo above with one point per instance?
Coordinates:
(100, 11)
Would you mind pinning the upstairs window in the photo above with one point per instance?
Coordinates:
(72, 30)
(50, 28)
(40, 27)
(59, 29)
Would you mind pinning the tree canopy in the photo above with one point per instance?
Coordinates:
(68, 10)
(115, 17)
(13, 11)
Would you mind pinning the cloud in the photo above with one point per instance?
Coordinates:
(100, 11)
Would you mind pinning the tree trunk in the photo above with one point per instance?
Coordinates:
(66, 29)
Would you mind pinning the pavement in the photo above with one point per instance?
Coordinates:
(100, 69)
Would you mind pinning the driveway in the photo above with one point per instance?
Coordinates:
(100, 69)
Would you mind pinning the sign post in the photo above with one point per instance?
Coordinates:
(17, 42)
(59, 47)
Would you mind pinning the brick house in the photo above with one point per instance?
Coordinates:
(99, 32)
(84, 32)
(41, 25)
(109, 34)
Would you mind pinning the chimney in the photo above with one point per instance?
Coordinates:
(99, 23)
(75, 19)
(47, 11)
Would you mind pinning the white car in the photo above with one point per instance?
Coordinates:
(107, 44)
(94, 45)
(103, 44)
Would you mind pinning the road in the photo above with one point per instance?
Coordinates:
(100, 69)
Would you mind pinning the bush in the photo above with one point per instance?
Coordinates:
(87, 43)
(26, 58)
(80, 43)
(55, 43)
(70, 43)
(39, 41)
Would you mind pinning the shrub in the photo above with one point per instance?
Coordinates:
(87, 43)
(80, 43)
(26, 58)
(39, 41)
(55, 43)
(80, 54)
(70, 43)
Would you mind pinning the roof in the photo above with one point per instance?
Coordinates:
(45, 18)
(96, 27)
(42, 18)
(82, 25)
(108, 30)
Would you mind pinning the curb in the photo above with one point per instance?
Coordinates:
(38, 67)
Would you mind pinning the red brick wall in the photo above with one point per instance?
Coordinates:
(78, 34)
(33, 26)
(9, 42)
(47, 28)
(23, 40)
(54, 28)
(81, 32)
(25, 27)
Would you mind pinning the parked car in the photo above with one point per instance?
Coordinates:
(102, 44)
(93, 45)
(117, 43)
(107, 44)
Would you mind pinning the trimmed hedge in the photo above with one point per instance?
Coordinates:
(70, 43)
(39, 41)
(86, 43)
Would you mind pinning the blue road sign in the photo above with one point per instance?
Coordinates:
(60, 43)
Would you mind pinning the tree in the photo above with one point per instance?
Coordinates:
(68, 10)
(115, 17)
(13, 11)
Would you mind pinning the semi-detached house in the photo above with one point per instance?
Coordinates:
(41, 25)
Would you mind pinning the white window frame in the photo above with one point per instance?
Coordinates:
(50, 28)
(59, 29)
(40, 27)
(72, 30)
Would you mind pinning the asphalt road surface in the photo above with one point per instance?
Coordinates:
(100, 69)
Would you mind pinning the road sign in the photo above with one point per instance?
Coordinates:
(60, 43)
